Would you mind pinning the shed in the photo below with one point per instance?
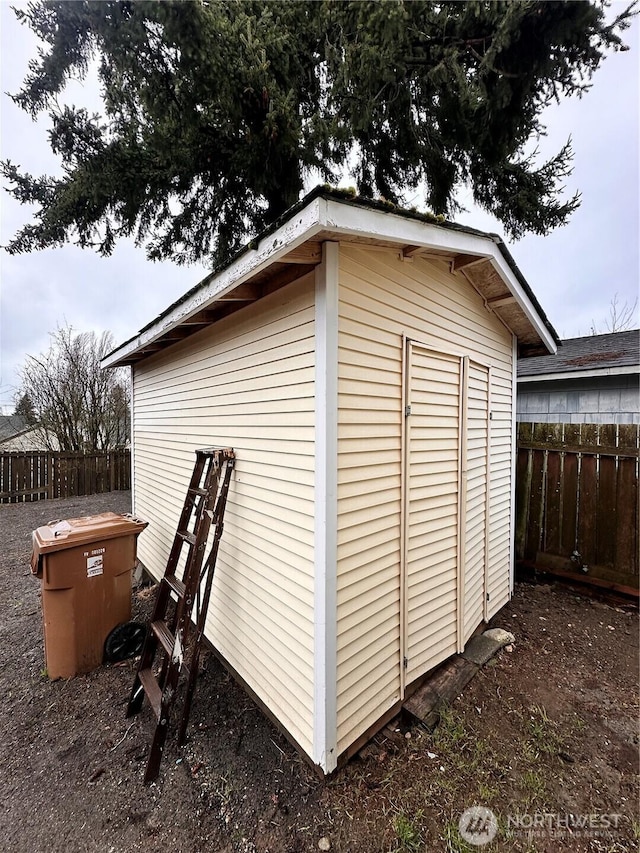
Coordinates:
(361, 361)
(593, 379)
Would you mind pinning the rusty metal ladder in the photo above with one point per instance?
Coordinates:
(167, 652)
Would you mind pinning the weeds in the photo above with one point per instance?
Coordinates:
(486, 793)
(454, 842)
(533, 785)
(450, 730)
(544, 731)
(409, 835)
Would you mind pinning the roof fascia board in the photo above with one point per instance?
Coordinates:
(358, 221)
(326, 214)
(581, 374)
(295, 231)
(507, 275)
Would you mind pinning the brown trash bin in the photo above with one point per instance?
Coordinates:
(85, 565)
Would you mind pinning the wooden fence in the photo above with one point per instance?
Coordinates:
(577, 501)
(38, 475)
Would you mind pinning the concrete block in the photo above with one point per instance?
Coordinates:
(483, 647)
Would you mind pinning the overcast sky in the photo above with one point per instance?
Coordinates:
(575, 272)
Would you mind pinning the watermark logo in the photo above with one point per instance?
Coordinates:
(557, 825)
(478, 825)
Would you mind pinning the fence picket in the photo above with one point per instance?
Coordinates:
(579, 492)
(569, 504)
(37, 475)
(606, 521)
(626, 541)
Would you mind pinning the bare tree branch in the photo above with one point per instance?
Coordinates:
(77, 405)
(620, 319)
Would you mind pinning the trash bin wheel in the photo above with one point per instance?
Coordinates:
(125, 641)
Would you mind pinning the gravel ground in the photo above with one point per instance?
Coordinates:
(548, 728)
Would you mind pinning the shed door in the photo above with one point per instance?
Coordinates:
(475, 493)
(446, 481)
(433, 442)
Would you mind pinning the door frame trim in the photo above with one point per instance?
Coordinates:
(408, 344)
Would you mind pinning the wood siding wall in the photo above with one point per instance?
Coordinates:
(246, 382)
(595, 400)
(382, 299)
(577, 494)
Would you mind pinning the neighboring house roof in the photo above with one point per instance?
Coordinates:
(11, 425)
(30, 438)
(292, 246)
(613, 354)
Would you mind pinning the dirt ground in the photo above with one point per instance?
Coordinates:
(545, 731)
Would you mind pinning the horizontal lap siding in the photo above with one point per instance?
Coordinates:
(368, 584)
(382, 298)
(246, 382)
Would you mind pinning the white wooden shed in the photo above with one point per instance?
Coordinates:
(361, 361)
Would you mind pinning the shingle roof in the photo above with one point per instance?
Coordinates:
(11, 425)
(495, 273)
(594, 352)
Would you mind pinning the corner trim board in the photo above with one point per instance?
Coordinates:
(514, 454)
(325, 728)
(132, 440)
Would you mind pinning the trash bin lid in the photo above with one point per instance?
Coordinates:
(71, 532)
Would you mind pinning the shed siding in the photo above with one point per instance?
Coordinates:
(245, 382)
(382, 298)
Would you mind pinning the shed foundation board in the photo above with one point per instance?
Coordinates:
(446, 683)
(440, 690)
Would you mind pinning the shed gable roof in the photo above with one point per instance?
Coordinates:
(293, 245)
(614, 353)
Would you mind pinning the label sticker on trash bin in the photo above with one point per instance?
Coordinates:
(94, 566)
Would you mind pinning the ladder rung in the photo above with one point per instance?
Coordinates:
(175, 585)
(188, 537)
(202, 513)
(164, 635)
(151, 687)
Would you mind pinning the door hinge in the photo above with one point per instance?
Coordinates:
(407, 411)
(405, 662)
